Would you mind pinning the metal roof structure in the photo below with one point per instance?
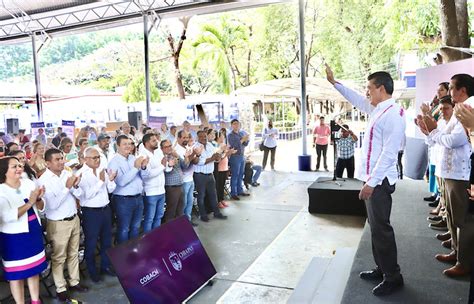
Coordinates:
(20, 19)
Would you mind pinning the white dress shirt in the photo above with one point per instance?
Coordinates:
(60, 202)
(454, 156)
(154, 175)
(10, 201)
(187, 173)
(201, 166)
(95, 192)
(383, 138)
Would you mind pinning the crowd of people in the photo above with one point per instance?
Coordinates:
(134, 180)
(448, 123)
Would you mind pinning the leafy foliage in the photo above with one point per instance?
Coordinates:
(135, 91)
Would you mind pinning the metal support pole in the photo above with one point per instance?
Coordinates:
(146, 33)
(36, 69)
(303, 74)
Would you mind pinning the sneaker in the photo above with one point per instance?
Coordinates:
(63, 296)
(205, 218)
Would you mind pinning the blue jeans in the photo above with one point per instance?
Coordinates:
(188, 190)
(129, 211)
(237, 169)
(97, 225)
(256, 174)
(154, 211)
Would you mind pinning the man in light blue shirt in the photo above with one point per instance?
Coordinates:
(127, 196)
(204, 178)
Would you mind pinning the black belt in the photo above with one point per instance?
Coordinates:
(173, 186)
(136, 195)
(67, 219)
(95, 208)
(203, 173)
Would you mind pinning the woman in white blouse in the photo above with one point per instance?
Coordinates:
(21, 242)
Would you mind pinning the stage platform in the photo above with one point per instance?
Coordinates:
(417, 246)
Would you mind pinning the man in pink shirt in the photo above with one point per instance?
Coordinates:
(321, 140)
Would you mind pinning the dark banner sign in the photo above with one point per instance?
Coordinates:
(166, 265)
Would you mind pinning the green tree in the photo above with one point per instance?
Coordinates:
(217, 45)
(135, 91)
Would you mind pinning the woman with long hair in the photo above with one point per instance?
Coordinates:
(37, 161)
(28, 172)
(21, 241)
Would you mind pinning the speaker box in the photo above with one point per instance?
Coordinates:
(135, 119)
(12, 126)
(336, 197)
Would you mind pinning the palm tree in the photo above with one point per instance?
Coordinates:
(216, 45)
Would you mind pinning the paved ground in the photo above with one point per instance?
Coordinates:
(262, 250)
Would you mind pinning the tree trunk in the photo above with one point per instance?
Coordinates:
(454, 29)
(175, 52)
(178, 78)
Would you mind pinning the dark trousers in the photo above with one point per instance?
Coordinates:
(221, 177)
(97, 225)
(347, 164)
(265, 157)
(400, 165)
(206, 188)
(384, 248)
(321, 149)
(174, 202)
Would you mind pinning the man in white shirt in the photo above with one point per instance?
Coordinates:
(455, 167)
(95, 185)
(63, 226)
(204, 178)
(153, 182)
(183, 150)
(385, 133)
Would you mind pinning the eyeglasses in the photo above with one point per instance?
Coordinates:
(167, 146)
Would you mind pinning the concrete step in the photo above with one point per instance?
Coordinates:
(309, 282)
(325, 279)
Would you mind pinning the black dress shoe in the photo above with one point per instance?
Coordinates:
(443, 236)
(235, 197)
(430, 198)
(95, 277)
(374, 274)
(244, 194)
(434, 204)
(205, 218)
(63, 296)
(220, 216)
(194, 224)
(435, 218)
(79, 288)
(109, 271)
(388, 287)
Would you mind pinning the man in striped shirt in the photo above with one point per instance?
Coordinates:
(345, 152)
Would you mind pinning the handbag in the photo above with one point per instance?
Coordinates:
(261, 146)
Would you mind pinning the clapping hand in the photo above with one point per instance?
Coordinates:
(145, 162)
(112, 175)
(77, 181)
(171, 162)
(425, 109)
(102, 175)
(471, 192)
(70, 181)
(198, 150)
(465, 114)
(138, 162)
